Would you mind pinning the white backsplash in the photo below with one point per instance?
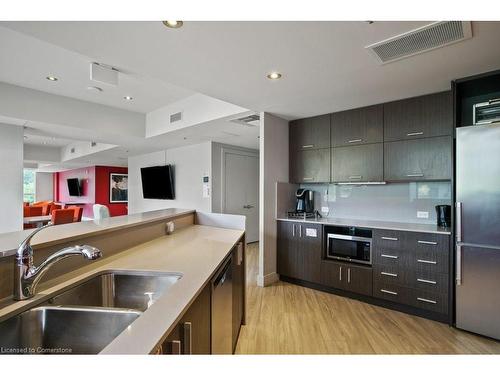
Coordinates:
(390, 202)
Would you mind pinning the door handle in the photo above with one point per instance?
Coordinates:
(459, 222)
(248, 206)
(414, 134)
(175, 347)
(354, 140)
(415, 175)
(340, 273)
(187, 333)
(459, 265)
(348, 275)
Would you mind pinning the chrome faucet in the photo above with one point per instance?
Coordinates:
(27, 276)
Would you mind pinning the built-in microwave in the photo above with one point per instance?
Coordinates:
(486, 112)
(349, 244)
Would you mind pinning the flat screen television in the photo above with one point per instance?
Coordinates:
(74, 187)
(158, 182)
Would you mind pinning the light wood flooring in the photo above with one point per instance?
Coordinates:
(290, 319)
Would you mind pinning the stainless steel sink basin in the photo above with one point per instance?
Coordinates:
(60, 330)
(131, 290)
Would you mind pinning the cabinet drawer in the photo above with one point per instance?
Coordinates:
(429, 301)
(431, 282)
(431, 261)
(390, 291)
(392, 274)
(429, 242)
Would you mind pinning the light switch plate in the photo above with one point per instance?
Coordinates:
(325, 209)
(422, 214)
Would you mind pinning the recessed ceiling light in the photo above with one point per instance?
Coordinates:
(94, 88)
(274, 75)
(52, 78)
(173, 24)
(128, 98)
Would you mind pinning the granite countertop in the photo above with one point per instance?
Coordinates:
(374, 224)
(9, 242)
(195, 251)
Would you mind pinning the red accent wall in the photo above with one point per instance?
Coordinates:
(102, 175)
(95, 182)
(88, 181)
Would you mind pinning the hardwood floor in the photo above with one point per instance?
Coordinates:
(289, 319)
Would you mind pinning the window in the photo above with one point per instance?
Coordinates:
(29, 185)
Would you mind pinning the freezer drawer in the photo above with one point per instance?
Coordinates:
(477, 296)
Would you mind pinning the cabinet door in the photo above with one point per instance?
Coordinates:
(358, 163)
(193, 333)
(333, 274)
(238, 290)
(287, 249)
(310, 133)
(418, 159)
(423, 116)
(357, 126)
(358, 280)
(310, 166)
(309, 252)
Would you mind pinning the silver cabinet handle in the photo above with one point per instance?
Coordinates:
(389, 238)
(293, 230)
(415, 175)
(187, 342)
(426, 261)
(300, 230)
(355, 177)
(308, 179)
(389, 274)
(427, 281)
(426, 300)
(340, 273)
(307, 146)
(248, 206)
(459, 222)
(355, 140)
(349, 275)
(176, 346)
(389, 256)
(388, 292)
(414, 134)
(427, 242)
(459, 265)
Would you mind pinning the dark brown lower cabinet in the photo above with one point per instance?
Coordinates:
(192, 334)
(346, 276)
(299, 250)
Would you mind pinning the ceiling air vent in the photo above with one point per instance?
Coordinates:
(176, 117)
(251, 120)
(423, 39)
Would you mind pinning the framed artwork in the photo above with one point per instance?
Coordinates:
(118, 188)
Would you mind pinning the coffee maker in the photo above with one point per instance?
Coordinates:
(305, 201)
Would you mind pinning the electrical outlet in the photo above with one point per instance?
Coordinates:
(422, 214)
(325, 209)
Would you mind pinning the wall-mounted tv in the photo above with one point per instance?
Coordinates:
(158, 182)
(74, 187)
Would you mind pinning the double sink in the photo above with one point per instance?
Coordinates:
(87, 317)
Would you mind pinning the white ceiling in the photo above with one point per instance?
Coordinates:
(27, 61)
(324, 65)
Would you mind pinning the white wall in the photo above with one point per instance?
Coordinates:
(273, 169)
(11, 178)
(191, 164)
(44, 190)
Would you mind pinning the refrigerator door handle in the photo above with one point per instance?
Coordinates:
(459, 265)
(459, 222)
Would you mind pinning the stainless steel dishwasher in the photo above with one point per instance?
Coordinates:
(222, 310)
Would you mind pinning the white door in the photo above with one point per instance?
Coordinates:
(241, 189)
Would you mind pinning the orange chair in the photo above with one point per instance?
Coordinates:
(52, 207)
(78, 213)
(41, 203)
(31, 211)
(63, 216)
(26, 204)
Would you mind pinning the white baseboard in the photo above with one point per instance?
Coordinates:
(268, 279)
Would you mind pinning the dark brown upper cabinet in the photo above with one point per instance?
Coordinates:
(357, 126)
(310, 133)
(418, 159)
(420, 117)
(362, 163)
(310, 166)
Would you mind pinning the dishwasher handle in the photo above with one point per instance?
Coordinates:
(221, 277)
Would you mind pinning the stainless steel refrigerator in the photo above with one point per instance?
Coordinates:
(478, 229)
